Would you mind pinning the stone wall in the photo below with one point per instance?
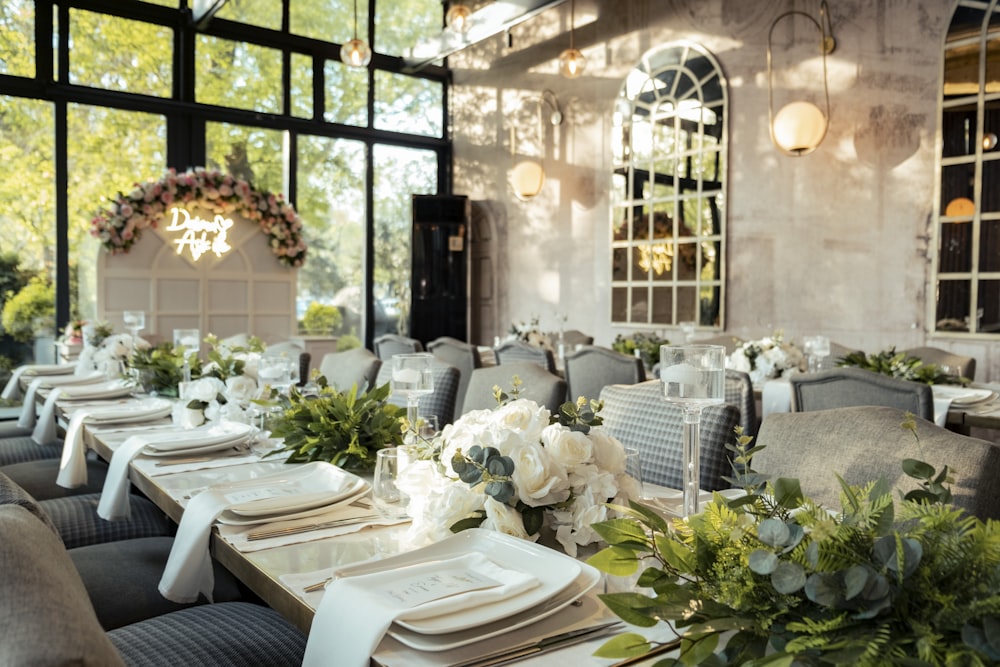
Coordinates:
(836, 242)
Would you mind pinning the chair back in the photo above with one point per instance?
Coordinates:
(845, 387)
(862, 444)
(463, 356)
(640, 417)
(539, 385)
(441, 402)
(574, 337)
(727, 341)
(11, 493)
(589, 369)
(342, 370)
(934, 355)
(513, 351)
(739, 392)
(389, 345)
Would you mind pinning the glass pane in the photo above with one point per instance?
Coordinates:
(965, 22)
(17, 38)
(331, 199)
(989, 244)
(953, 301)
(238, 74)
(329, 20)
(265, 13)
(988, 313)
(961, 70)
(663, 305)
(402, 23)
(165, 3)
(302, 86)
(408, 104)
(619, 269)
(958, 129)
(399, 173)
(346, 94)
(253, 154)
(619, 304)
(27, 216)
(957, 183)
(141, 136)
(992, 64)
(990, 196)
(118, 54)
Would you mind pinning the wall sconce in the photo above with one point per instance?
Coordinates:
(458, 18)
(799, 127)
(356, 52)
(528, 176)
(571, 61)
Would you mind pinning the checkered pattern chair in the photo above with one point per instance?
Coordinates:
(589, 369)
(463, 356)
(48, 618)
(38, 478)
(18, 449)
(639, 416)
(538, 385)
(441, 402)
(388, 345)
(739, 392)
(846, 387)
(864, 443)
(513, 351)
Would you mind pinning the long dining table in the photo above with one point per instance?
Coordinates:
(280, 572)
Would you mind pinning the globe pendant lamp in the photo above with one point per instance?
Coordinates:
(356, 52)
(571, 61)
(458, 18)
(527, 176)
(800, 127)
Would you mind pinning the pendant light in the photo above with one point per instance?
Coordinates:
(356, 52)
(571, 61)
(458, 18)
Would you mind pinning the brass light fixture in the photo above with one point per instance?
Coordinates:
(356, 52)
(571, 61)
(528, 176)
(799, 127)
(458, 18)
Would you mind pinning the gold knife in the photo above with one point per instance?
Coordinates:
(544, 645)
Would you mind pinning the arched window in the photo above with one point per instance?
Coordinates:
(668, 214)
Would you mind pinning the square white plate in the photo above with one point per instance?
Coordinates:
(232, 519)
(555, 572)
(109, 389)
(962, 395)
(301, 487)
(201, 439)
(145, 410)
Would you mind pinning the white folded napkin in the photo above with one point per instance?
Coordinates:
(73, 464)
(45, 427)
(356, 612)
(188, 571)
(776, 396)
(27, 418)
(12, 390)
(941, 406)
(114, 504)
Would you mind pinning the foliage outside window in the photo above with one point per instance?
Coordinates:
(668, 190)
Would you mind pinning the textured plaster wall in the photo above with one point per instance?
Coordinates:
(836, 242)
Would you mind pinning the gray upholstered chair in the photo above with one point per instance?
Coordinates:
(862, 444)
(463, 356)
(513, 351)
(848, 386)
(934, 355)
(48, 618)
(388, 345)
(573, 337)
(538, 385)
(589, 369)
(739, 392)
(18, 449)
(441, 402)
(640, 417)
(727, 341)
(39, 477)
(342, 370)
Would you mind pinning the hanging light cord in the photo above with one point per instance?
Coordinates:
(572, 22)
(355, 19)
(826, 46)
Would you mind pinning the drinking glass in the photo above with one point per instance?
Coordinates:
(688, 329)
(428, 427)
(633, 468)
(135, 321)
(389, 501)
(275, 371)
(189, 342)
(412, 377)
(693, 376)
(816, 349)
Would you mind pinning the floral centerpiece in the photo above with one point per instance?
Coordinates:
(912, 582)
(160, 369)
(646, 346)
(531, 333)
(518, 469)
(901, 365)
(121, 223)
(767, 358)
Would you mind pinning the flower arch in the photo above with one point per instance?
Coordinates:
(120, 224)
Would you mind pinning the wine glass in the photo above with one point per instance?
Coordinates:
(693, 376)
(688, 329)
(412, 377)
(389, 501)
(816, 349)
(135, 321)
(275, 371)
(189, 343)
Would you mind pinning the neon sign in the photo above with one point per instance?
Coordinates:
(196, 233)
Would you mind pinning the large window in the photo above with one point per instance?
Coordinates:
(966, 276)
(95, 96)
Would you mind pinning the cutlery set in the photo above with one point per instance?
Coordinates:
(294, 530)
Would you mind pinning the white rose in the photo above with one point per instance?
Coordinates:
(537, 479)
(573, 526)
(524, 416)
(204, 389)
(250, 363)
(240, 388)
(609, 454)
(504, 519)
(186, 417)
(629, 488)
(738, 362)
(231, 412)
(566, 447)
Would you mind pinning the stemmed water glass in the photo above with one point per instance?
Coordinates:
(817, 348)
(412, 377)
(693, 376)
(189, 342)
(135, 321)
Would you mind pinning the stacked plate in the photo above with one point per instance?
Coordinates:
(210, 438)
(99, 390)
(963, 396)
(561, 580)
(49, 369)
(303, 491)
(144, 410)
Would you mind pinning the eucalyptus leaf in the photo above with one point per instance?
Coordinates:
(762, 561)
(773, 532)
(788, 577)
